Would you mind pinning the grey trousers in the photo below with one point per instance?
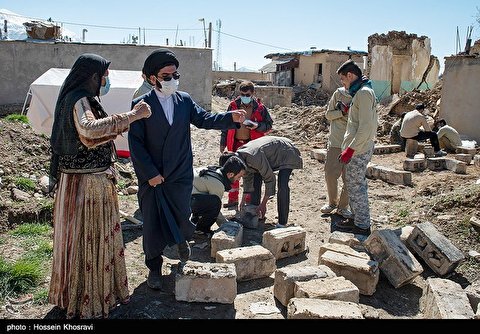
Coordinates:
(358, 188)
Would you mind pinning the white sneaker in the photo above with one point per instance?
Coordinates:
(328, 208)
(345, 213)
(440, 153)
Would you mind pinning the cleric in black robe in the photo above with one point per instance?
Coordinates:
(161, 152)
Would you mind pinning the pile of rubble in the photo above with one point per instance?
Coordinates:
(310, 96)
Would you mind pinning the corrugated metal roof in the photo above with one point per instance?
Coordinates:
(310, 52)
(272, 66)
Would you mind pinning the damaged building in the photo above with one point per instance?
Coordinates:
(312, 67)
(460, 93)
(399, 62)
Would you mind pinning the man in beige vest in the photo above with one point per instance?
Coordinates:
(337, 114)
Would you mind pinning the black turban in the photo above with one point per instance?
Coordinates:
(157, 60)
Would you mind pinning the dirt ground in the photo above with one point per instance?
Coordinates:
(446, 199)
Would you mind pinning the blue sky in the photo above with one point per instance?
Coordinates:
(252, 29)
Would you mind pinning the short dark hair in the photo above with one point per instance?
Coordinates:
(441, 121)
(224, 157)
(420, 106)
(246, 86)
(349, 66)
(234, 165)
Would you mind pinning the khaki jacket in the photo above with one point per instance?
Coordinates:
(362, 122)
(338, 122)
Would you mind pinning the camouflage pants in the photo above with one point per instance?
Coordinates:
(357, 188)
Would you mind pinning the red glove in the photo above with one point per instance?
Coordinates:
(346, 155)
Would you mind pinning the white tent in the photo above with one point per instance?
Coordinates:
(44, 92)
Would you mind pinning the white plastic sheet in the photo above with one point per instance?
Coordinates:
(45, 91)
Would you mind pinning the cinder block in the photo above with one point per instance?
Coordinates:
(428, 151)
(414, 165)
(466, 150)
(476, 160)
(394, 259)
(286, 277)
(250, 262)
(361, 272)
(389, 175)
(285, 242)
(445, 299)
(434, 248)
(229, 235)
(459, 167)
(206, 283)
(333, 288)
(307, 308)
(343, 249)
(386, 149)
(353, 240)
(436, 164)
(473, 294)
(319, 154)
(466, 158)
(403, 233)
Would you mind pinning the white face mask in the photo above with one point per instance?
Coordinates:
(168, 87)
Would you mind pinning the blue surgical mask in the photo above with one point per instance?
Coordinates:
(104, 89)
(246, 99)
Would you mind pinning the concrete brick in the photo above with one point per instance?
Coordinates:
(285, 242)
(206, 283)
(466, 150)
(353, 240)
(343, 249)
(333, 288)
(403, 233)
(286, 277)
(414, 165)
(475, 222)
(361, 272)
(445, 299)
(386, 149)
(394, 259)
(229, 235)
(434, 248)
(307, 308)
(466, 158)
(319, 154)
(456, 166)
(428, 151)
(250, 262)
(389, 175)
(476, 160)
(436, 164)
(473, 294)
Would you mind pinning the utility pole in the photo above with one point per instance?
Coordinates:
(204, 31)
(219, 46)
(210, 34)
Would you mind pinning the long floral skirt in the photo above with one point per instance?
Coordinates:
(88, 273)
